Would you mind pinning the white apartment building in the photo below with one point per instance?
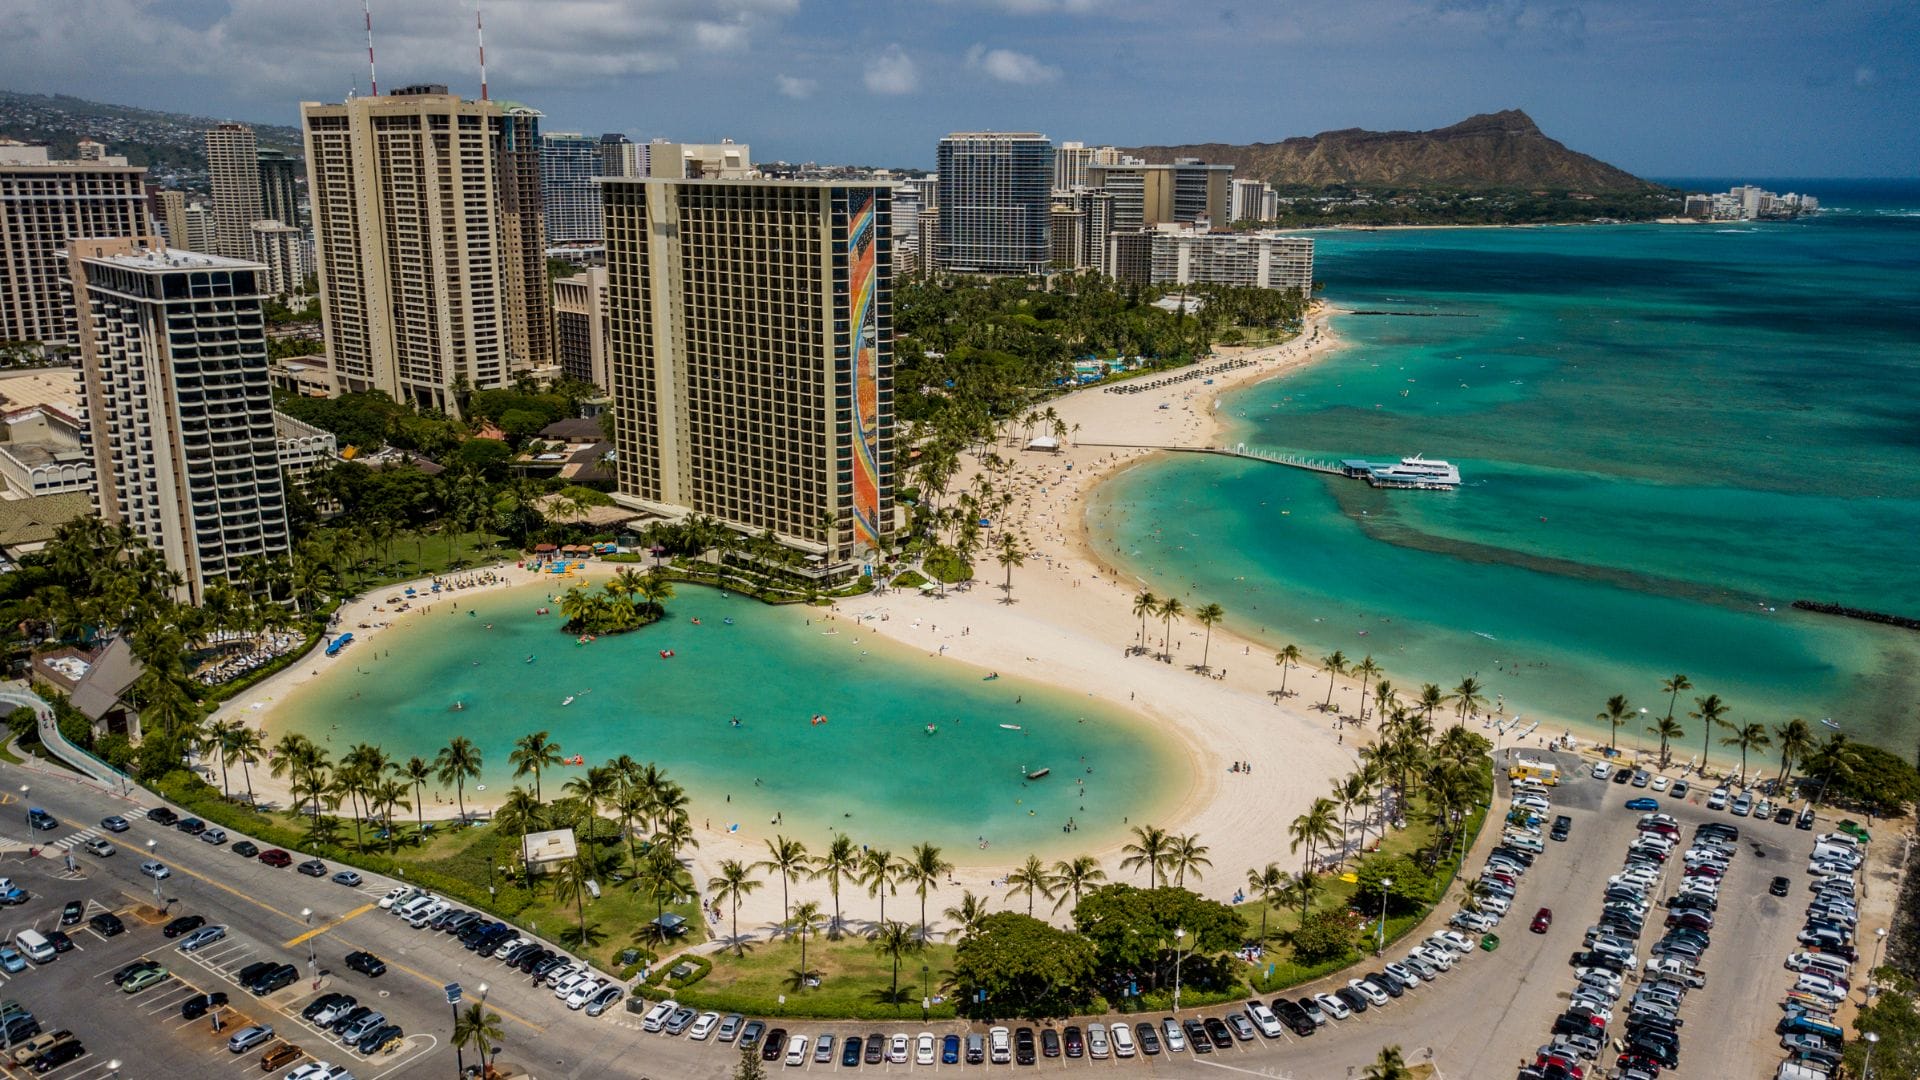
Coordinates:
(179, 407)
(282, 249)
(1261, 260)
(46, 204)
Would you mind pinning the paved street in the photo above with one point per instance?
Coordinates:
(1480, 1020)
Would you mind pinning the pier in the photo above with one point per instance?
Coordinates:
(1352, 468)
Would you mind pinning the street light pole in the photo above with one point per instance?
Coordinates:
(483, 1040)
(152, 850)
(1380, 934)
(1179, 935)
(1866, 1067)
(459, 1048)
(313, 959)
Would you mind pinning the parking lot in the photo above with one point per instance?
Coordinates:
(1480, 1020)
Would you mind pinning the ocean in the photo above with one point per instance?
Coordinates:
(1668, 434)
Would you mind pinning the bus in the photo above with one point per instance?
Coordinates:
(1544, 772)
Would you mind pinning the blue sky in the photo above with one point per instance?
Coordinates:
(1659, 87)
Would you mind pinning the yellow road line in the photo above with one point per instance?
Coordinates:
(223, 887)
(317, 931)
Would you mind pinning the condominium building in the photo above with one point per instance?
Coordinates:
(580, 325)
(569, 162)
(1253, 200)
(1261, 260)
(88, 150)
(724, 160)
(168, 209)
(179, 409)
(282, 249)
(621, 156)
(200, 228)
(279, 187)
(428, 241)
(929, 187)
(1081, 221)
(1200, 191)
(1145, 195)
(751, 357)
(43, 205)
(995, 202)
(233, 167)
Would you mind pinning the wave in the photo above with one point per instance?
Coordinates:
(1736, 230)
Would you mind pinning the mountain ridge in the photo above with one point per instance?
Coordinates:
(1500, 150)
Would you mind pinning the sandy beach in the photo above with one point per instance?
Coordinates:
(1069, 624)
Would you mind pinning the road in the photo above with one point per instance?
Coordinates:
(1480, 1020)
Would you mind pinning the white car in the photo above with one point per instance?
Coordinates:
(923, 1049)
(1333, 1006)
(1602, 770)
(312, 1070)
(1097, 1044)
(1401, 972)
(1440, 958)
(1366, 990)
(656, 1017)
(155, 869)
(395, 895)
(427, 914)
(1122, 1041)
(1459, 943)
(1264, 1019)
(564, 972)
(584, 992)
(799, 1048)
(897, 1049)
(1661, 783)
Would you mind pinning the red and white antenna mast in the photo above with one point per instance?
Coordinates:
(480, 35)
(373, 79)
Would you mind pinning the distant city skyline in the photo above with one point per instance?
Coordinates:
(1719, 88)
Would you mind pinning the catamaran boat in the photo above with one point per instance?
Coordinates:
(1415, 472)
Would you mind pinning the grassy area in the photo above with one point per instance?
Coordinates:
(472, 866)
(414, 554)
(855, 981)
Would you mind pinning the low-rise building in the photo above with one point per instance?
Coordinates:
(1261, 260)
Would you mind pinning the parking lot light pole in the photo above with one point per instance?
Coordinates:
(459, 1052)
(1179, 934)
(1866, 1067)
(115, 1066)
(1380, 935)
(313, 958)
(152, 850)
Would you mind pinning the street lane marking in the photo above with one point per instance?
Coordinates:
(436, 983)
(318, 930)
(230, 890)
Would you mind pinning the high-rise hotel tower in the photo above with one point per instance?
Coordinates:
(751, 357)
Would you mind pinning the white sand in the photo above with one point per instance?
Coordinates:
(1069, 625)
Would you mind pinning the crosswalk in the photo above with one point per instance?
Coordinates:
(74, 840)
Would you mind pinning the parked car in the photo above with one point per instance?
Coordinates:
(1644, 802)
(273, 857)
(1542, 919)
(246, 849)
(366, 964)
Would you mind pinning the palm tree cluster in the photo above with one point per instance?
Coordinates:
(1146, 605)
(629, 600)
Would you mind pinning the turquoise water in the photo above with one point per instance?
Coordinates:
(1668, 435)
(774, 669)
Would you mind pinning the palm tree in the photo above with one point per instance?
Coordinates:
(1009, 557)
(244, 746)
(417, 773)
(966, 915)
(1469, 697)
(1672, 687)
(594, 787)
(1431, 698)
(805, 916)
(1030, 877)
(1302, 889)
(730, 886)
(1835, 760)
(1145, 604)
(881, 875)
(1317, 826)
(457, 763)
(1668, 729)
(895, 941)
(479, 1029)
(1288, 656)
(1170, 609)
(1366, 669)
(1795, 743)
(1187, 855)
(840, 860)
(1711, 712)
(924, 868)
(1074, 876)
(1615, 715)
(1747, 737)
(1268, 886)
(390, 794)
(1388, 1066)
(1148, 848)
(788, 858)
(1208, 616)
(1335, 665)
(570, 880)
(520, 813)
(531, 754)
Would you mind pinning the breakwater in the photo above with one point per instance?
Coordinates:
(1862, 614)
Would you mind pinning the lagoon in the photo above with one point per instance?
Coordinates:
(870, 769)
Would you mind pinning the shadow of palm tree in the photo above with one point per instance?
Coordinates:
(583, 938)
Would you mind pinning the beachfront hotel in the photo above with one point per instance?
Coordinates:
(233, 171)
(750, 356)
(995, 203)
(178, 407)
(428, 242)
(47, 203)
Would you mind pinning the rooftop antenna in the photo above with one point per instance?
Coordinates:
(480, 35)
(373, 79)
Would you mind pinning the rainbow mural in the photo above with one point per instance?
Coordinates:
(861, 256)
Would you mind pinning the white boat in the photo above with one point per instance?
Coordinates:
(1415, 472)
(1011, 727)
(568, 701)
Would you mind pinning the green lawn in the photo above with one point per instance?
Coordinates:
(412, 555)
(855, 980)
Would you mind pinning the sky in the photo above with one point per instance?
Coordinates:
(1775, 88)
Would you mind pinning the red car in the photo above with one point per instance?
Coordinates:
(273, 856)
(1542, 919)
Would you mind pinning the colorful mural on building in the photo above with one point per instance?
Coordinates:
(862, 242)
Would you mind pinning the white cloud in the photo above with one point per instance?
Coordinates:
(893, 72)
(1865, 76)
(1010, 67)
(795, 87)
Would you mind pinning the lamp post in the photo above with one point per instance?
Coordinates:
(926, 992)
(1866, 1067)
(313, 960)
(152, 849)
(1179, 935)
(1380, 934)
(1639, 745)
(483, 1047)
(1879, 940)
(459, 1048)
(115, 1066)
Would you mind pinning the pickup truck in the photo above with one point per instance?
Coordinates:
(11, 894)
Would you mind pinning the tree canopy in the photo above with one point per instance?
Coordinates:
(1025, 968)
